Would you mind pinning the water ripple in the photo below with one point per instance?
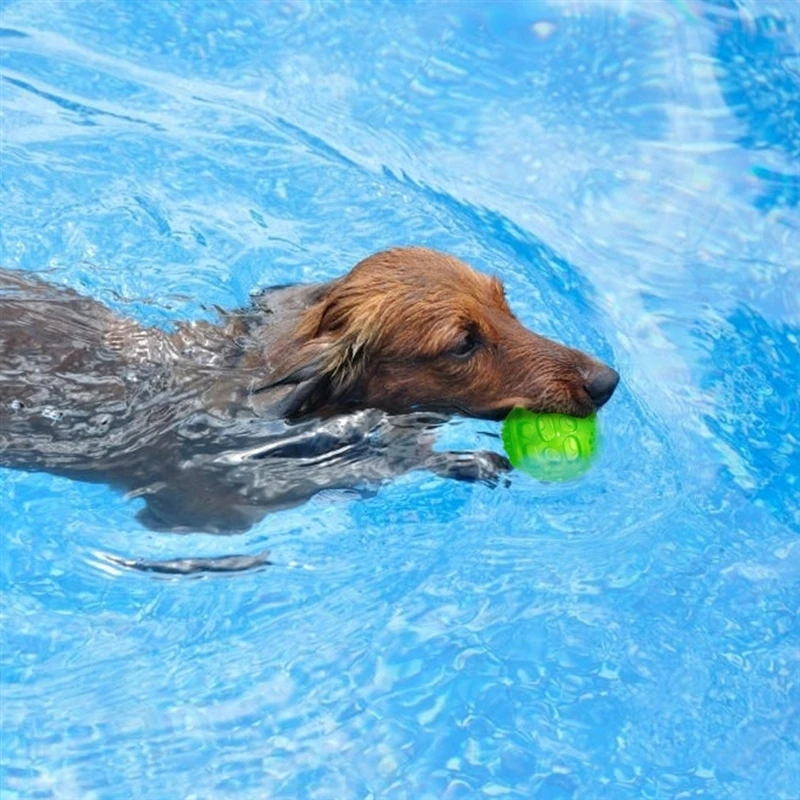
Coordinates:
(629, 173)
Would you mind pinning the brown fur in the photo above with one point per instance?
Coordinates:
(392, 333)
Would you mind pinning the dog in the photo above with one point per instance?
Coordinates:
(337, 385)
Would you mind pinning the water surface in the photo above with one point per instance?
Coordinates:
(631, 172)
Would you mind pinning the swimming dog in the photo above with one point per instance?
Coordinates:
(331, 385)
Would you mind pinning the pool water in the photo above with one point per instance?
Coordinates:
(632, 172)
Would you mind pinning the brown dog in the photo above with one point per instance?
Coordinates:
(317, 386)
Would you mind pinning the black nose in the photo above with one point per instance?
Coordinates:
(601, 385)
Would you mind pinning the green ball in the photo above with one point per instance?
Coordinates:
(550, 447)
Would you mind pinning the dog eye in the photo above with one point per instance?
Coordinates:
(467, 345)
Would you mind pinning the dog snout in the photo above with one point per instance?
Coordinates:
(601, 384)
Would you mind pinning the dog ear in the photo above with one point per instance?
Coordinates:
(305, 380)
(324, 374)
(324, 359)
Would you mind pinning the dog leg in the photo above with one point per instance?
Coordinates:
(482, 466)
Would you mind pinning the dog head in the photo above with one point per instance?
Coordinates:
(413, 328)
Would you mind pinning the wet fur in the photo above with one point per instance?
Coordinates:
(336, 385)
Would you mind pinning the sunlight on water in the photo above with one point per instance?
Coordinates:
(631, 171)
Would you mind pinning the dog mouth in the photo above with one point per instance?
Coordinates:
(575, 406)
(500, 410)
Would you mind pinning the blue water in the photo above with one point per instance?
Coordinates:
(632, 171)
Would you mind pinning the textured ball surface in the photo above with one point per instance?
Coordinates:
(550, 447)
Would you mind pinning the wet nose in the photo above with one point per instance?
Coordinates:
(601, 385)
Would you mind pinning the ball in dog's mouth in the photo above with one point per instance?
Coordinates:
(550, 447)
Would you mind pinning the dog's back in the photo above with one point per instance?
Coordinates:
(60, 386)
(91, 396)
